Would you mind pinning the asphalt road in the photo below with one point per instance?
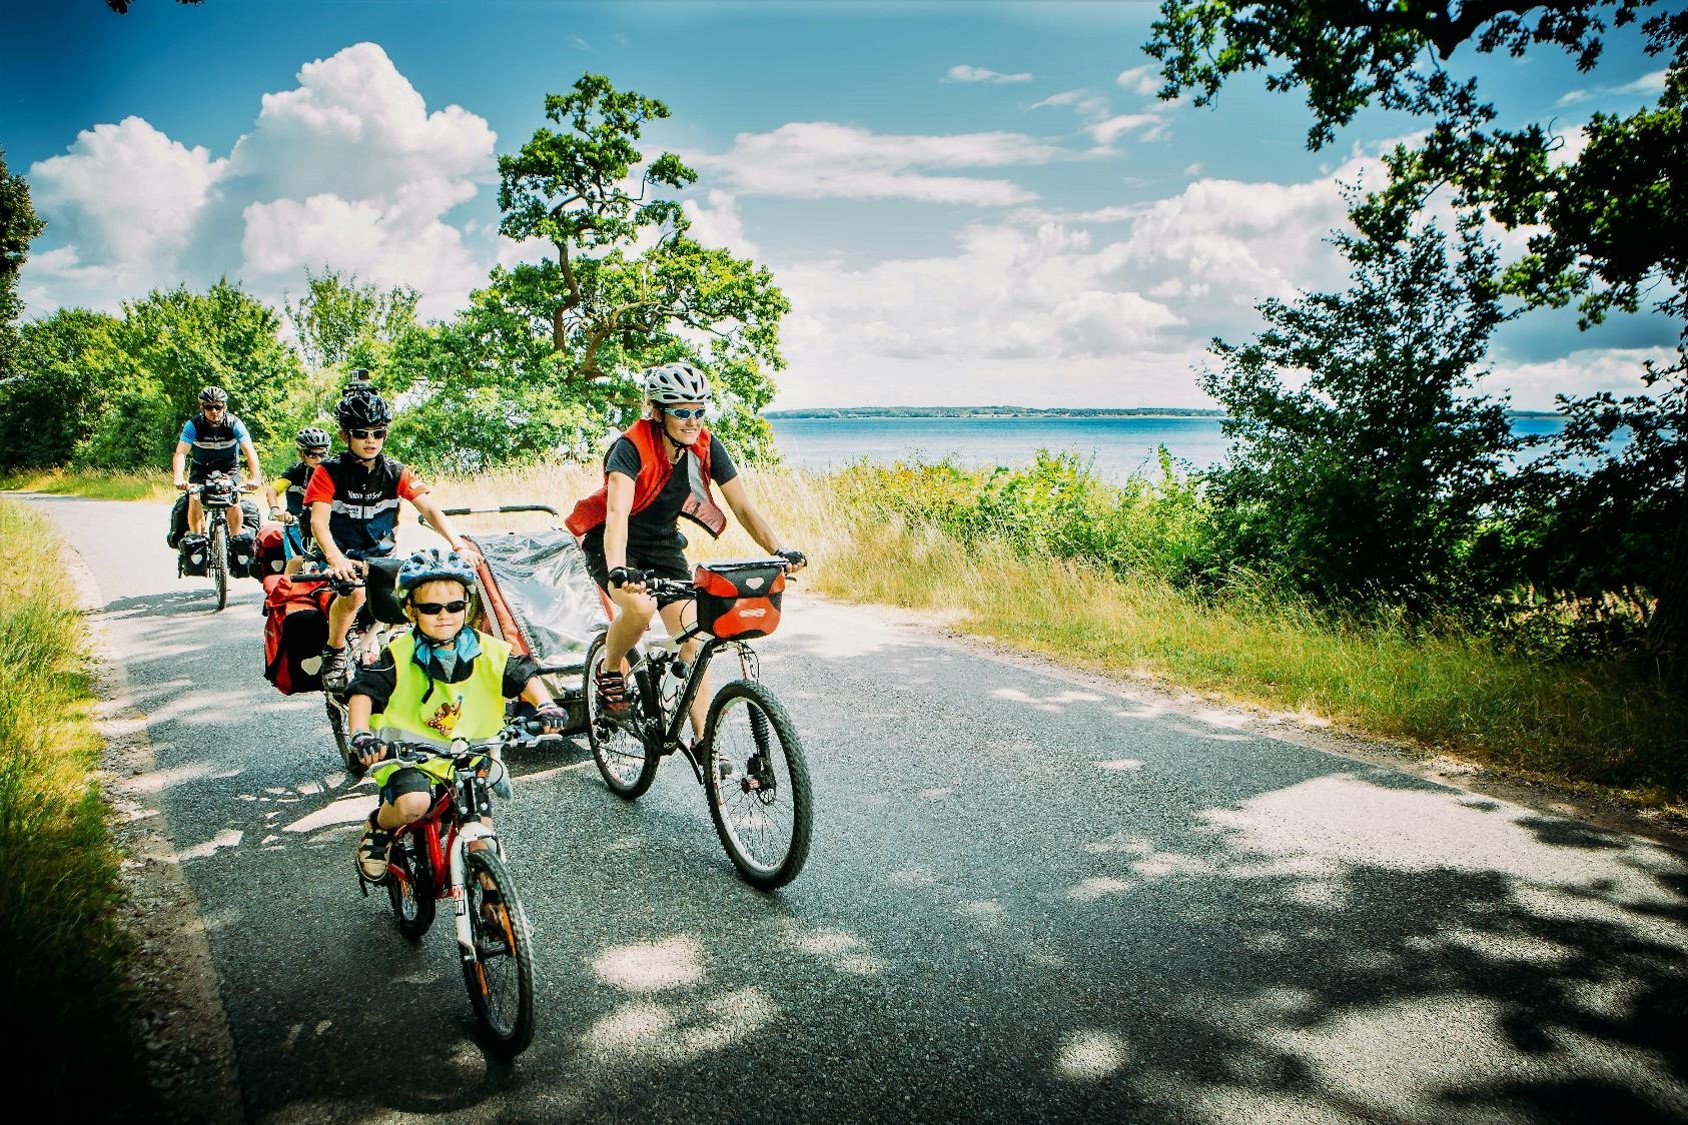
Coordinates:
(1029, 898)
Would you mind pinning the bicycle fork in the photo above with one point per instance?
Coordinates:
(470, 833)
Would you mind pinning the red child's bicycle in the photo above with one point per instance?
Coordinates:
(450, 854)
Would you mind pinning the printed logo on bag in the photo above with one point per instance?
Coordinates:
(754, 582)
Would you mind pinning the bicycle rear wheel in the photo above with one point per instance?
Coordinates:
(220, 562)
(627, 763)
(758, 784)
(411, 891)
(500, 975)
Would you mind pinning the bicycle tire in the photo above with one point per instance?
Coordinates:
(762, 808)
(626, 763)
(410, 893)
(500, 975)
(219, 562)
(342, 739)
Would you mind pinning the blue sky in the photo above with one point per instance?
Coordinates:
(966, 202)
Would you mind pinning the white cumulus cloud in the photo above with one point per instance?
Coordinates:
(965, 73)
(127, 189)
(348, 169)
(1119, 300)
(821, 159)
(1143, 80)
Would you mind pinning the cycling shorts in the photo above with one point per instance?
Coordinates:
(667, 562)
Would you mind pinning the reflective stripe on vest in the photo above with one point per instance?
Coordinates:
(365, 509)
(214, 445)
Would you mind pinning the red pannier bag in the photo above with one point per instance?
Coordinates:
(739, 600)
(272, 554)
(295, 629)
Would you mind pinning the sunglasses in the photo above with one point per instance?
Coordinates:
(434, 609)
(686, 414)
(313, 453)
(365, 435)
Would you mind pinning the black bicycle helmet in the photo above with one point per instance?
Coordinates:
(360, 408)
(213, 396)
(312, 438)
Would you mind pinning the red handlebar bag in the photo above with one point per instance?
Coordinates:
(738, 600)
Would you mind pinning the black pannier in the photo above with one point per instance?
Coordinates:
(194, 555)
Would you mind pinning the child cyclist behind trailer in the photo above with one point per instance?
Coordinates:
(354, 502)
(658, 470)
(439, 681)
(289, 508)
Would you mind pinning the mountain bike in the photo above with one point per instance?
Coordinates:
(217, 494)
(750, 760)
(449, 854)
(376, 623)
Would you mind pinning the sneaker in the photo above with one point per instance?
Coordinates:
(612, 694)
(374, 846)
(336, 668)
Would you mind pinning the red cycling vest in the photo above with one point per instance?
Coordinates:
(654, 470)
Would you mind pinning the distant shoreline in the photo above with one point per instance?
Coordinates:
(1031, 412)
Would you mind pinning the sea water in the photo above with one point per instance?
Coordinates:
(1115, 448)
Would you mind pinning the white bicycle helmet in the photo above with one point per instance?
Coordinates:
(676, 382)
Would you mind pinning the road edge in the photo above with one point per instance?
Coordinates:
(1602, 807)
(190, 1058)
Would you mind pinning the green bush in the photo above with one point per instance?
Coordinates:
(1056, 507)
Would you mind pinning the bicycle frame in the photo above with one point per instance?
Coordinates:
(458, 810)
(667, 726)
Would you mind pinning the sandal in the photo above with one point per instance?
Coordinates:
(374, 848)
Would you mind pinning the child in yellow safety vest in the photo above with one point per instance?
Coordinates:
(440, 681)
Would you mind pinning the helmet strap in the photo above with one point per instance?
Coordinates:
(677, 445)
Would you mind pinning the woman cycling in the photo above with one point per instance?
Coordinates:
(660, 469)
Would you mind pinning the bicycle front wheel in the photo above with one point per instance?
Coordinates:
(220, 562)
(342, 737)
(758, 784)
(500, 975)
(627, 763)
(410, 891)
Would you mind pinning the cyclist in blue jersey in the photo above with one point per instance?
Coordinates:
(216, 439)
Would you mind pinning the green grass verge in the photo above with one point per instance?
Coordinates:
(1606, 723)
(62, 953)
(96, 485)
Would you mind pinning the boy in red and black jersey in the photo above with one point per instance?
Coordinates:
(354, 499)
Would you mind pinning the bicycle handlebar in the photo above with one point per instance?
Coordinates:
(656, 585)
(462, 748)
(339, 585)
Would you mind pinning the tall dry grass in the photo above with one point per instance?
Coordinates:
(97, 484)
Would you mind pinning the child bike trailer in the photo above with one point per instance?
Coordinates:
(538, 597)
